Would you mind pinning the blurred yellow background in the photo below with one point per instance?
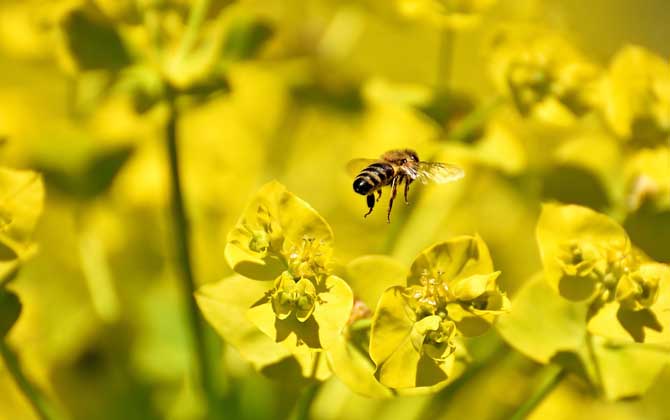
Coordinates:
(292, 90)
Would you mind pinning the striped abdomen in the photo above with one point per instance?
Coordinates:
(373, 177)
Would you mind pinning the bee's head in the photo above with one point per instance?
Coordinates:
(411, 155)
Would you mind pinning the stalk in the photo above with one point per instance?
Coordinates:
(181, 231)
(306, 399)
(37, 400)
(553, 376)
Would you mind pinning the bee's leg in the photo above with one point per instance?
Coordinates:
(394, 190)
(371, 203)
(407, 182)
(379, 194)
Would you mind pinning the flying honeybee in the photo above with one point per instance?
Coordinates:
(394, 167)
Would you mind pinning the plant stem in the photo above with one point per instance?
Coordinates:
(445, 59)
(182, 251)
(552, 377)
(39, 403)
(195, 20)
(475, 119)
(304, 402)
(439, 401)
(596, 366)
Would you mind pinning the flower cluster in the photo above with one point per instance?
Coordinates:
(451, 292)
(282, 243)
(451, 14)
(589, 257)
(543, 74)
(286, 303)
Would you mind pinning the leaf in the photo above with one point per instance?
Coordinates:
(21, 202)
(451, 260)
(541, 323)
(629, 370)
(245, 38)
(10, 309)
(355, 368)
(94, 178)
(370, 275)
(224, 305)
(94, 43)
(332, 313)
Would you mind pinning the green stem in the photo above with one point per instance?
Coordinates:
(596, 366)
(439, 401)
(553, 375)
(304, 402)
(195, 20)
(39, 403)
(475, 120)
(182, 250)
(445, 59)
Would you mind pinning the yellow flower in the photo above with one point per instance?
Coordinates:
(544, 75)
(637, 96)
(452, 14)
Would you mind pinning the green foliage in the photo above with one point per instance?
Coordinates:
(245, 38)
(94, 43)
(21, 201)
(10, 309)
(93, 178)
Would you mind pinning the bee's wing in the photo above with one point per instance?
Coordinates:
(355, 166)
(439, 173)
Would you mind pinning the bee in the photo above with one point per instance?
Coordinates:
(393, 168)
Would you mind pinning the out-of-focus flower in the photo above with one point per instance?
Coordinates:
(544, 75)
(588, 257)
(451, 291)
(636, 96)
(451, 14)
(647, 175)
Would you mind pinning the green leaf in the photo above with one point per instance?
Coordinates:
(224, 305)
(332, 313)
(541, 323)
(21, 202)
(451, 260)
(629, 370)
(370, 275)
(10, 309)
(353, 366)
(94, 43)
(245, 38)
(93, 178)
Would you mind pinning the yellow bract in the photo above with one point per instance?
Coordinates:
(451, 291)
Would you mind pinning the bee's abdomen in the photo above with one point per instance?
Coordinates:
(372, 178)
